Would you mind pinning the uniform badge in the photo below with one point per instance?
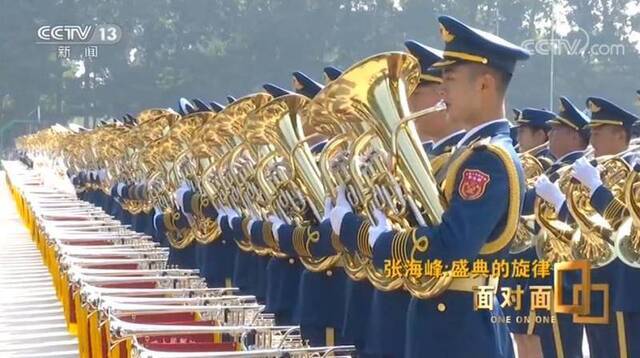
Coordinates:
(473, 184)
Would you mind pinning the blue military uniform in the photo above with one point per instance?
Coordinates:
(536, 119)
(484, 189)
(624, 319)
(569, 335)
(386, 327)
(445, 145)
(214, 259)
(454, 239)
(177, 224)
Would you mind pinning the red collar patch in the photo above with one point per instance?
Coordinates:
(473, 184)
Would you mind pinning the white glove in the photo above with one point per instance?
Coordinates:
(221, 212)
(340, 210)
(119, 189)
(276, 222)
(587, 174)
(250, 223)
(382, 226)
(178, 195)
(328, 206)
(550, 192)
(156, 213)
(102, 174)
(231, 214)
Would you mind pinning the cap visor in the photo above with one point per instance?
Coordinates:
(444, 63)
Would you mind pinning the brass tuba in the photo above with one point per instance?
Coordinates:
(175, 143)
(225, 180)
(189, 167)
(387, 166)
(152, 125)
(288, 174)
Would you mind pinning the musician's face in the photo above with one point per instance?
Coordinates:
(608, 139)
(427, 95)
(530, 137)
(460, 89)
(563, 140)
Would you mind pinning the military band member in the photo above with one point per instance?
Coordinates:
(569, 135)
(568, 139)
(215, 259)
(282, 272)
(533, 133)
(611, 128)
(534, 126)
(320, 314)
(177, 222)
(484, 188)
(386, 329)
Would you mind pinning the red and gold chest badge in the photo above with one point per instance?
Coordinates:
(473, 184)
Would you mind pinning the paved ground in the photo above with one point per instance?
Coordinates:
(31, 319)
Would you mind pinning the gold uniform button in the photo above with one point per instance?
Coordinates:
(329, 273)
(292, 261)
(442, 307)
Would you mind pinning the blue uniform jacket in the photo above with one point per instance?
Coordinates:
(484, 189)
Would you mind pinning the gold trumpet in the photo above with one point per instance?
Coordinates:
(386, 167)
